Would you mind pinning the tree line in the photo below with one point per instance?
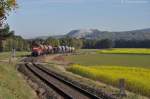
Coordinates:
(66, 41)
(21, 44)
(95, 44)
(107, 43)
(9, 41)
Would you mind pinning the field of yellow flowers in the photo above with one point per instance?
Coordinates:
(137, 79)
(125, 51)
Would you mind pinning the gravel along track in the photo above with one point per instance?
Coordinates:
(63, 88)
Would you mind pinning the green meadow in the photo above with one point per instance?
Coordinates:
(110, 59)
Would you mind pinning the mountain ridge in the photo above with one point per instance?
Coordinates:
(141, 34)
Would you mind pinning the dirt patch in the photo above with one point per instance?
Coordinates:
(46, 58)
(56, 59)
(59, 58)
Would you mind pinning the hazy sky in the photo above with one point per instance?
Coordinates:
(53, 17)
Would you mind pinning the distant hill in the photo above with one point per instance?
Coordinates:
(143, 34)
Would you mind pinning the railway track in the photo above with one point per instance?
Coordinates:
(64, 88)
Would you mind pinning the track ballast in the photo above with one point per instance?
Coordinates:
(63, 87)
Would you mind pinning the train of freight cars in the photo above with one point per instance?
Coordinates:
(48, 49)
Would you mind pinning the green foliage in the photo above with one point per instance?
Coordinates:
(5, 7)
(89, 44)
(110, 59)
(52, 41)
(5, 32)
(105, 43)
(66, 41)
(137, 79)
(8, 41)
(98, 44)
(16, 42)
(77, 43)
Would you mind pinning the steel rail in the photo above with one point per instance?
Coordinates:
(46, 81)
(85, 92)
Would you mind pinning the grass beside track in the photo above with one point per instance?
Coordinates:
(6, 55)
(125, 51)
(137, 79)
(12, 85)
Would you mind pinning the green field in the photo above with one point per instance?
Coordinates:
(110, 59)
(137, 79)
(125, 51)
(12, 85)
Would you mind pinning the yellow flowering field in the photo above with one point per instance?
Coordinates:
(137, 79)
(125, 51)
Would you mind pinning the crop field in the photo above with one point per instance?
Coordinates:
(110, 67)
(137, 79)
(110, 59)
(125, 51)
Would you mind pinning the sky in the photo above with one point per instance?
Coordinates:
(35, 18)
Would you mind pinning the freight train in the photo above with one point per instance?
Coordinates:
(39, 50)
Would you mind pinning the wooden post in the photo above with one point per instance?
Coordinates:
(122, 92)
(13, 52)
(12, 56)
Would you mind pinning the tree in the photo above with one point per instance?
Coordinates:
(77, 43)
(52, 41)
(5, 7)
(89, 44)
(105, 43)
(5, 33)
(16, 42)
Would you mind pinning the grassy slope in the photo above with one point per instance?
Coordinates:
(137, 79)
(12, 85)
